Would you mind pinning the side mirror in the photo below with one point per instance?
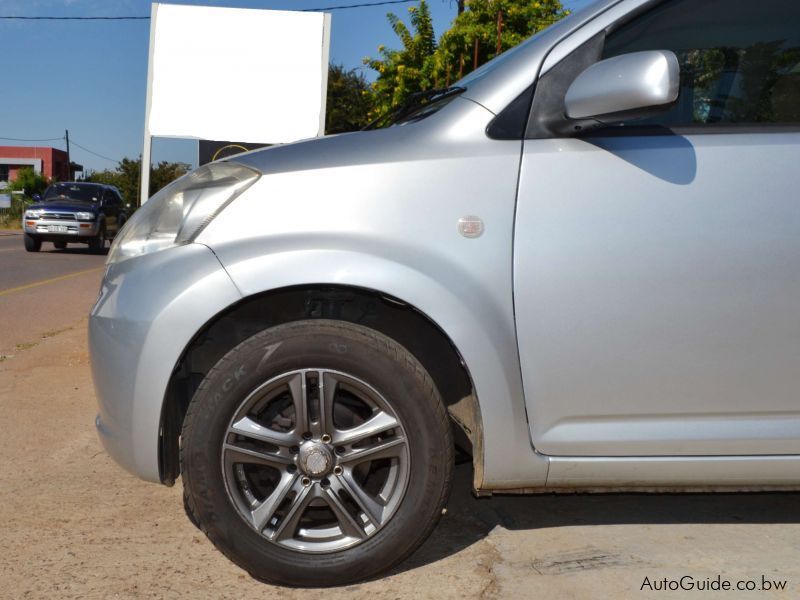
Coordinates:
(625, 87)
(37, 198)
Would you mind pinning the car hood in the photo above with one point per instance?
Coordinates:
(64, 205)
(326, 152)
(420, 140)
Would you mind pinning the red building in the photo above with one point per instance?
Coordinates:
(50, 162)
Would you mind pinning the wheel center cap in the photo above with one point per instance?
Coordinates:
(315, 459)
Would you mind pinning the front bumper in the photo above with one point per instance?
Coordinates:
(61, 230)
(148, 311)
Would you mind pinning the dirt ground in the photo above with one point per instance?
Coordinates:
(74, 525)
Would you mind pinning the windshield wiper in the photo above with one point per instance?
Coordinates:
(414, 102)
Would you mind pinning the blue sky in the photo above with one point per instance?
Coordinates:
(90, 77)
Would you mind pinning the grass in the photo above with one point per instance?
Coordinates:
(10, 223)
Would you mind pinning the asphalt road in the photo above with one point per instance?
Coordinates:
(43, 292)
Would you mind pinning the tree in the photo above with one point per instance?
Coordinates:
(482, 30)
(349, 100)
(126, 177)
(488, 28)
(165, 173)
(29, 182)
(460, 4)
(406, 71)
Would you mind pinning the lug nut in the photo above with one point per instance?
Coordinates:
(306, 481)
(326, 482)
(294, 449)
(326, 439)
(291, 468)
(307, 435)
(339, 449)
(337, 470)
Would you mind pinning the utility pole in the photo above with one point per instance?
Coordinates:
(69, 162)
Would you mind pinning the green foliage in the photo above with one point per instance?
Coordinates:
(126, 177)
(488, 28)
(12, 217)
(349, 100)
(165, 173)
(406, 71)
(29, 181)
(482, 30)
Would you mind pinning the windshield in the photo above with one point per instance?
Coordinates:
(72, 191)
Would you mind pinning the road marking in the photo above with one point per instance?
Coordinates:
(46, 281)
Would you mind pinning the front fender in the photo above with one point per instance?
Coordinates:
(480, 328)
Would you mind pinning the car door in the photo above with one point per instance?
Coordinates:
(657, 264)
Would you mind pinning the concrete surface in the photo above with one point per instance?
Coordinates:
(74, 525)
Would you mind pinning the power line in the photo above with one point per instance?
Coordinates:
(74, 143)
(347, 6)
(51, 18)
(10, 139)
(147, 18)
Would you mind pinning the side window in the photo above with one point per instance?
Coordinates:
(740, 59)
(110, 198)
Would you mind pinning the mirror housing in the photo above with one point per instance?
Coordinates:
(625, 87)
(37, 198)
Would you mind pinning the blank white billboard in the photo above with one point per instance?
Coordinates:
(237, 74)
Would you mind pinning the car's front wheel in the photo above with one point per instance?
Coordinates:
(32, 244)
(317, 453)
(98, 243)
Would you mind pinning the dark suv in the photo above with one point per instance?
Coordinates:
(74, 212)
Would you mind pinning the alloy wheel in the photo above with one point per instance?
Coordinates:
(315, 460)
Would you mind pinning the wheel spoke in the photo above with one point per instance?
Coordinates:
(239, 454)
(297, 387)
(366, 503)
(264, 512)
(390, 448)
(288, 525)
(377, 424)
(348, 525)
(327, 393)
(248, 428)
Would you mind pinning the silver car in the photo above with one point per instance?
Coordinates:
(581, 264)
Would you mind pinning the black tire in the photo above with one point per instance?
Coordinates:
(60, 245)
(97, 244)
(32, 244)
(345, 348)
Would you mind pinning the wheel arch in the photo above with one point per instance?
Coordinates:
(393, 317)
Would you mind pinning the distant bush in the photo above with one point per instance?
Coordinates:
(11, 218)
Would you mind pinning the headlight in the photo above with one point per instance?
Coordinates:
(84, 216)
(34, 213)
(180, 211)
